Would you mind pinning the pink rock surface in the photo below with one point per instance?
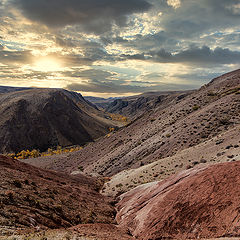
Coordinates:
(198, 203)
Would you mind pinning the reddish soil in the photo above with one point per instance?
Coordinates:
(197, 203)
(32, 198)
(102, 232)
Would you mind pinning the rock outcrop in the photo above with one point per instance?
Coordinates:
(32, 198)
(197, 203)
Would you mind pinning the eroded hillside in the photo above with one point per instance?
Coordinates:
(161, 132)
(35, 199)
(43, 118)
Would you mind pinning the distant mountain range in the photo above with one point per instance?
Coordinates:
(134, 106)
(100, 102)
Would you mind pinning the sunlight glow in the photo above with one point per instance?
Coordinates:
(47, 64)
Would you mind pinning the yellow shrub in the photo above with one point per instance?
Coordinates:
(24, 154)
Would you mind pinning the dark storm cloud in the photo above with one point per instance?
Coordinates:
(193, 56)
(202, 56)
(195, 17)
(94, 15)
(205, 55)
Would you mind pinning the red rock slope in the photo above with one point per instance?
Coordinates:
(31, 198)
(197, 203)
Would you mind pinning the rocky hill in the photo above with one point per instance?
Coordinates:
(162, 132)
(31, 198)
(43, 118)
(197, 203)
(186, 147)
(135, 106)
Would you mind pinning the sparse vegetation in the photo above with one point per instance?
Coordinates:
(195, 107)
(118, 117)
(211, 94)
(81, 168)
(25, 154)
(111, 129)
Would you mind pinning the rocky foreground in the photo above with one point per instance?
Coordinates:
(197, 203)
(32, 198)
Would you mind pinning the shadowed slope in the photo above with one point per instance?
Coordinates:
(43, 118)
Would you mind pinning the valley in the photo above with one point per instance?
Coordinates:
(170, 172)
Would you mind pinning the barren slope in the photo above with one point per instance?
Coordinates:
(161, 132)
(32, 198)
(43, 118)
(197, 203)
(222, 148)
(135, 106)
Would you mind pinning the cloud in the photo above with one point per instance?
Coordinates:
(206, 56)
(174, 3)
(93, 15)
(106, 87)
(12, 57)
(195, 17)
(90, 74)
(139, 43)
(203, 56)
(100, 81)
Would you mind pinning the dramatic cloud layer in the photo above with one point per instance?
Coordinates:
(118, 47)
(203, 56)
(93, 15)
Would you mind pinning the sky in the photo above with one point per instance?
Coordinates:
(111, 48)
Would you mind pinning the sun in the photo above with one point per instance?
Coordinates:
(47, 64)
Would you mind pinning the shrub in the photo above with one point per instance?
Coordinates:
(25, 154)
(195, 107)
(118, 117)
(81, 168)
(17, 183)
(211, 93)
(224, 121)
